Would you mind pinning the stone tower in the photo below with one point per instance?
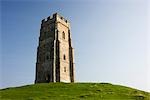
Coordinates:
(55, 55)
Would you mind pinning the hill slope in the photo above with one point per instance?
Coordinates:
(76, 91)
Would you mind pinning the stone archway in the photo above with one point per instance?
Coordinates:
(48, 78)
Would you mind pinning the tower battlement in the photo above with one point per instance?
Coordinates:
(55, 16)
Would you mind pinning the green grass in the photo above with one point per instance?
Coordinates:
(75, 91)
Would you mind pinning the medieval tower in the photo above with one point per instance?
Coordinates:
(55, 55)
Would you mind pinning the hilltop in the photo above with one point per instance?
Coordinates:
(76, 91)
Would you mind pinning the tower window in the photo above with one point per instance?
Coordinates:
(47, 57)
(64, 57)
(65, 69)
(63, 35)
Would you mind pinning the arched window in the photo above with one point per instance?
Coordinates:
(63, 35)
(65, 69)
(64, 57)
(47, 57)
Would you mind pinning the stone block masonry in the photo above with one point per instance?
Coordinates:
(55, 54)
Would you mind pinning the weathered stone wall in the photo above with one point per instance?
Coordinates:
(64, 50)
(54, 53)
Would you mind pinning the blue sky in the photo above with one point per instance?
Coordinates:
(111, 40)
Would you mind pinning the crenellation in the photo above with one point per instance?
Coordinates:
(43, 20)
(48, 18)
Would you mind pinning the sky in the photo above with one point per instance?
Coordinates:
(111, 39)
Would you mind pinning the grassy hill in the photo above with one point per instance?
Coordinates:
(76, 91)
